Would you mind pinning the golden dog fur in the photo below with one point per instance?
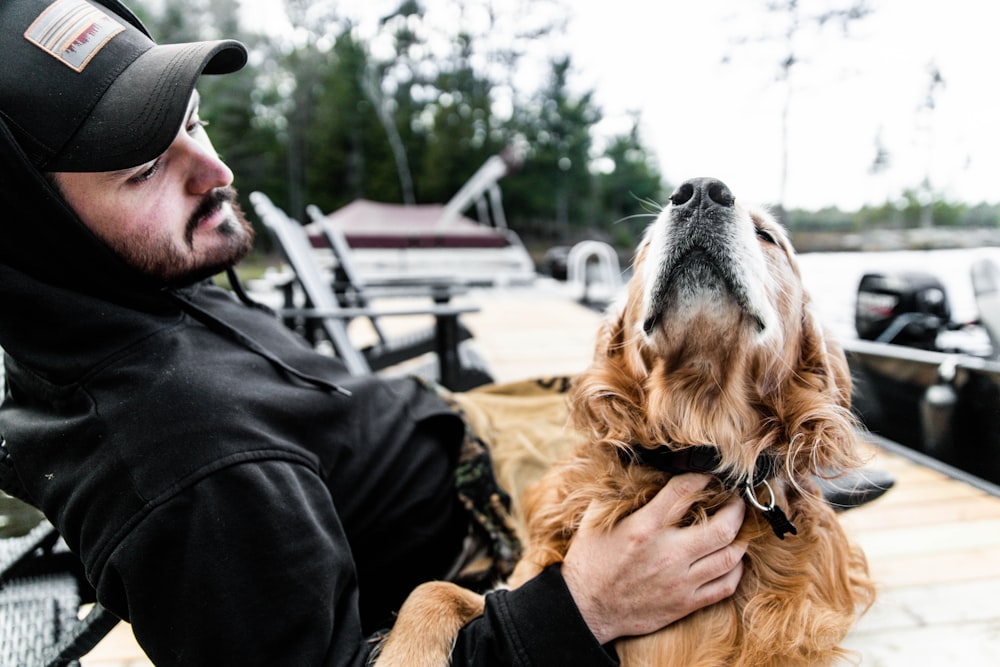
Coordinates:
(714, 343)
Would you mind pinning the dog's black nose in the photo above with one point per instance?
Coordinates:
(703, 193)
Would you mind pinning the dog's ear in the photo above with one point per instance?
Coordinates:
(817, 402)
(822, 358)
(607, 396)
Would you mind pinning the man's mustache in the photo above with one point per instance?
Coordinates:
(211, 202)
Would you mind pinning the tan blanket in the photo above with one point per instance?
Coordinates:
(513, 433)
(525, 426)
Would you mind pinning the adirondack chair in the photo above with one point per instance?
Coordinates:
(353, 290)
(457, 368)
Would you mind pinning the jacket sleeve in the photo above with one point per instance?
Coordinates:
(534, 625)
(250, 566)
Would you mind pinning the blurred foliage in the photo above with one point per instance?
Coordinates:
(324, 116)
(317, 118)
(909, 212)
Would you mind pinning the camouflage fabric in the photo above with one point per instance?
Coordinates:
(487, 504)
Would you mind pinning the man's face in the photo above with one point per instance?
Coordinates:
(175, 218)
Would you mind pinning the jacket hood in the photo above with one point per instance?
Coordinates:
(58, 279)
(41, 236)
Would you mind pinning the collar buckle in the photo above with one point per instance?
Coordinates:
(771, 512)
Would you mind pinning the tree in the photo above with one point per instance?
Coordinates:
(554, 188)
(632, 189)
(351, 156)
(464, 130)
(925, 115)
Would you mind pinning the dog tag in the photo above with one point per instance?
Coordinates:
(779, 522)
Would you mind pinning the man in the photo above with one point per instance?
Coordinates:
(235, 496)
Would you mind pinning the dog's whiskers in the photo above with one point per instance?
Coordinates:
(636, 216)
(654, 207)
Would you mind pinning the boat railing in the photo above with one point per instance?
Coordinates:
(604, 272)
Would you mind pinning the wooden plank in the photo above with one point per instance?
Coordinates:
(118, 649)
(959, 645)
(882, 514)
(523, 334)
(910, 492)
(971, 565)
(931, 538)
(933, 605)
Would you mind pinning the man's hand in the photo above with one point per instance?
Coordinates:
(646, 572)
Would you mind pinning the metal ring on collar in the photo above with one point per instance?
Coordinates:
(752, 497)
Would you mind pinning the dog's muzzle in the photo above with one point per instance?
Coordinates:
(704, 249)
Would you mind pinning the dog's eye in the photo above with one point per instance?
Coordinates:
(766, 236)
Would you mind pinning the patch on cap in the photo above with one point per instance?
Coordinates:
(73, 31)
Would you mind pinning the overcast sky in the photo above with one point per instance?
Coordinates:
(711, 105)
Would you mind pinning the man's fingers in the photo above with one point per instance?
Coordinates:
(672, 502)
(667, 507)
(646, 571)
(722, 552)
(719, 562)
(719, 588)
(725, 525)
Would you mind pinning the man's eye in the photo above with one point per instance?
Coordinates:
(196, 124)
(144, 176)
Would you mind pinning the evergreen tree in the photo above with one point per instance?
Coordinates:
(464, 135)
(350, 156)
(631, 192)
(553, 192)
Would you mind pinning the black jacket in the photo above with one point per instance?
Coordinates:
(224, 497)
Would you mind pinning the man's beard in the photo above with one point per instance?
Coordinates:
(175, 266)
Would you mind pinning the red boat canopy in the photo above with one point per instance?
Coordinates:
(368, 224)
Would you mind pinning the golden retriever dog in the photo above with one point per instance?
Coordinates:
(712, 361)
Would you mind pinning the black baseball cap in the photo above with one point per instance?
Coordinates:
(83, 87)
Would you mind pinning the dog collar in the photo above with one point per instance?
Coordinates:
(701, 458)
(706, 459)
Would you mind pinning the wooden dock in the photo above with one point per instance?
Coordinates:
(933, 542)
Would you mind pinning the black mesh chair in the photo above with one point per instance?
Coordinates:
(48, 613)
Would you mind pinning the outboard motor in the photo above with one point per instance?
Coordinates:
(986, 286)
(906, 308)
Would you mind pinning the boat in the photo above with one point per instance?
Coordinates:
(917, 386)
(424, 242)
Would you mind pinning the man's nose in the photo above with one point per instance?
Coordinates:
(206, 171)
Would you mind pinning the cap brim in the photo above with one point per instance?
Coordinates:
(139, 116)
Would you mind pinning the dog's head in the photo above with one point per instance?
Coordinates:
(714, 343)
